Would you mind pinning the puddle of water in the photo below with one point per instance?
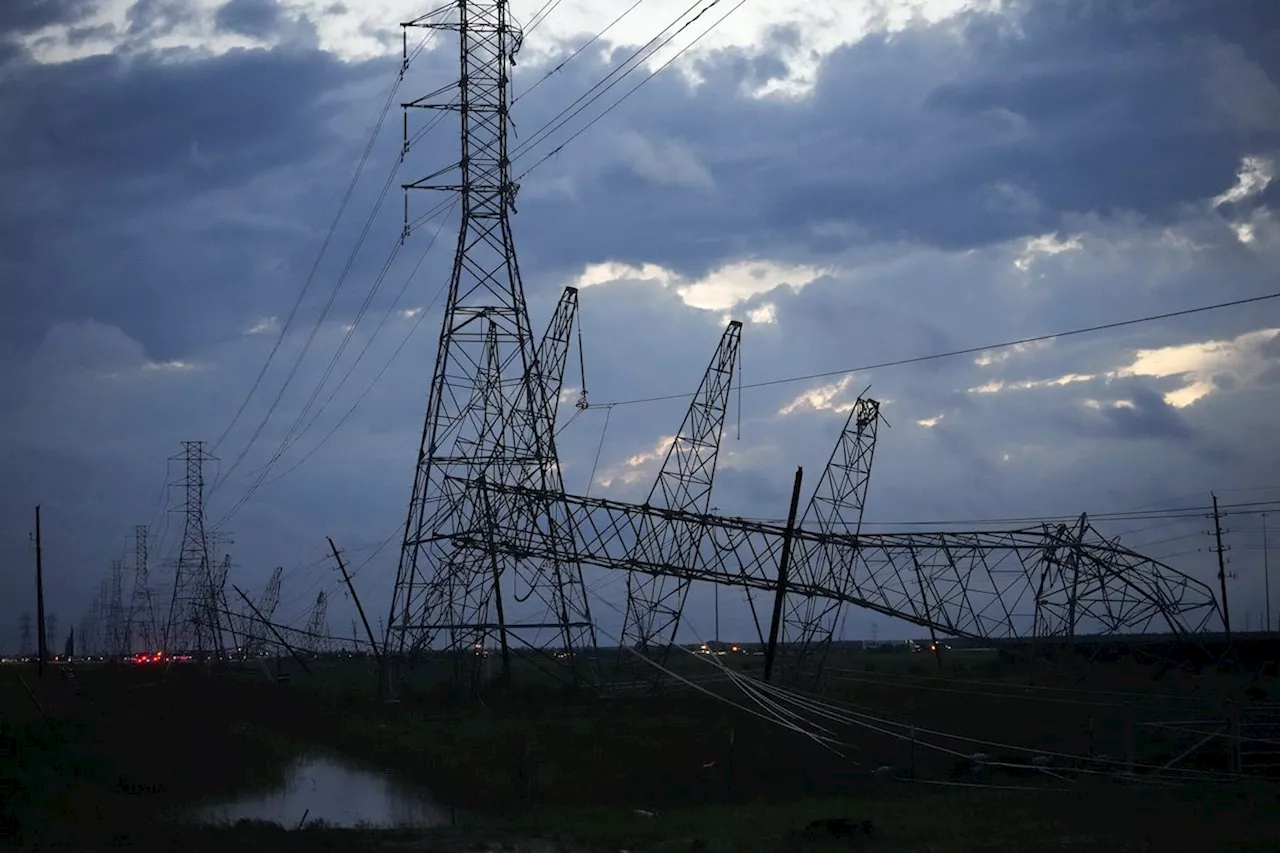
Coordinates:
(337, 793)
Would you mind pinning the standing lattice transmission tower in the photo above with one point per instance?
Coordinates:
(117, 624)
(142, 610)
(489, 417)
(195, 618)
(24, 635)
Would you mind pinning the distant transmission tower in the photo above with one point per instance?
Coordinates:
(118, 628)
(85, 635)
(51, 621)
(488, 417)
(142, 611)
(24, 635)
(195, 619)
(91, 640)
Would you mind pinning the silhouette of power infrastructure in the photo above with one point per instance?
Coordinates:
(490, 525)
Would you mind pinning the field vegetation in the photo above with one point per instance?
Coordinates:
(122, 753)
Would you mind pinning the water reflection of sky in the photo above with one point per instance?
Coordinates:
(341, 795)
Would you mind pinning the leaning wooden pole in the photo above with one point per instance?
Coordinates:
(783, 565)
(377, 655)
(42, 642)
(272, 627)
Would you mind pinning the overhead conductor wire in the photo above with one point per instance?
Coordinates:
(290, 438)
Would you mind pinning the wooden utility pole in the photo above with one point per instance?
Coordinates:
(42, 648)
(1266, 573)
(1222, 570)
(272, 628)
(359, 607)
(783, 564)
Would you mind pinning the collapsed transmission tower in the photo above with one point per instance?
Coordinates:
(809, 622)
(1038, 583)
(490, 414)
(488, 514)
(317, 634)
(218, 594)
(655, 603)
(195, 616)
(253, 630)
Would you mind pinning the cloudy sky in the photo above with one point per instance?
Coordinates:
(858, 181)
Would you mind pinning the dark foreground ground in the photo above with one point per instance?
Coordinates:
(113, 763)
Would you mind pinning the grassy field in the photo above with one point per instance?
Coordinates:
(130, 745)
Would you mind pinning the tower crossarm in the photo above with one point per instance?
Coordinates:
(981, 585)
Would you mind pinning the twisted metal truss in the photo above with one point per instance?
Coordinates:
(491, 405)
(809, 622)
(982, 585)
(655, 603)
(253, 641)
(316, 638)
(488, 518)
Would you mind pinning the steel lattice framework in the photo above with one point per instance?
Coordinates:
(488, 513)
(809, 622)
(317, 633)
(117, 626)
(253, 641)
(981, 585)
(194, 622)
(491, 405)
(142, 610)
(655, 603)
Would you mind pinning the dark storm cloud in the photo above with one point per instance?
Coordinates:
(77, 36)
(955, 135)
(1270, 376)
(130, 139)
(1106, 25)
(955, 140)
(202, 212)
(141, 173)
(1148, 417)
(22, 16)
(258, 18)
(158, 17)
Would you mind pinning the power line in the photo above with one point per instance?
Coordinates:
(542, 14)
(560, 67)
(1120, 515)
(395, 303)
(633, 89)
(291, 438)
(324, 245)
(422, 314)
(968, 350)
(387, 184)
(569, 112)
